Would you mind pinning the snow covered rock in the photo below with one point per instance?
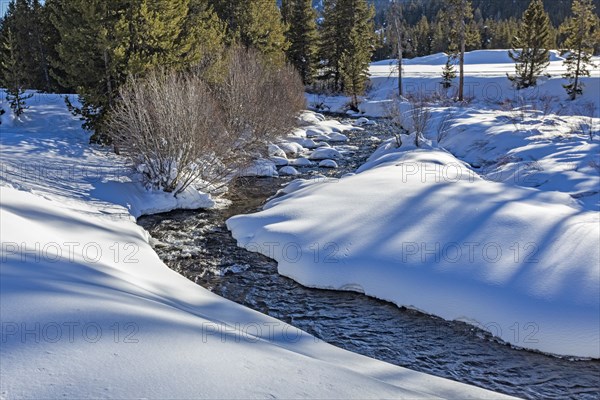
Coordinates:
(361, 121)
(309, 144)
(280, 161)
(288, 171)
(276, 151)
(262, 168)
(291, 149)
(325, 153)
(301, 162)
(311, 118)
(337, 137)
(328, 164)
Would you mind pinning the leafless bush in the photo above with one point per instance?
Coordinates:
(257, 102)
(444, 125)
(165, 124)
(420, 114)
(587, 124)
(546, 104)
(396, 119)
(176, 129)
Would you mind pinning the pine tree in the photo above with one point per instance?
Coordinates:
(153, 35)
(13, 75)
(254, 23)
(302, 36)
(205, 35)
(530, 49)
(449, 71)
(422, 38)
(91, 55)
(103, 43)
(331, 43)
(459, 14)
(287, 11)
(57, 76)
(24, 18)
(356, 55)
(579, 45)
(347, 38)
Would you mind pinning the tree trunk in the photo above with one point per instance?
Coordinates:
(400, 66)
(577, 72)
(461, 82)
(107, 77)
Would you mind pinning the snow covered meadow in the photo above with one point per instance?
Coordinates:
(88, 310)
(494, 221)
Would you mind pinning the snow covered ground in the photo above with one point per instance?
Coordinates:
(89, 311)
(494, 221)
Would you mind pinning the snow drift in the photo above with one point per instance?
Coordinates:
(421, 229)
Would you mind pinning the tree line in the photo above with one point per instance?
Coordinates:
(91, 47)
(529, 39)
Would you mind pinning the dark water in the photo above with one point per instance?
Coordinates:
(198, 245)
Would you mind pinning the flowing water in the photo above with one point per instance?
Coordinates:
(198, 245)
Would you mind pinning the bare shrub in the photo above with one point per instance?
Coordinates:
(444, 126)
(176, 129)
(395, 119)
(164, 124)
(258, 102)
(420, 114)
(417, 116)
(587, 125)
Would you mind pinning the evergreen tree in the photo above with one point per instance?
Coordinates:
(13, 75)
(356, 56)
(440, 33)
(530, 49)
(91, 55)
(579, 45)
(203, 34)
(255, 23)
(24, 18)
(287, 11)
(102, 43)
(302, 36)
(422, 38)
(459, 14)
(331, 44)
(57, 75)
(347, 39)
(449, 72)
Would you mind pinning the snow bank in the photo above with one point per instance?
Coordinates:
(88, 310)
(547, 152)
(423, 231)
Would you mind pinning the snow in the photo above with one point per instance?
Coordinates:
(289, 171)
(280, 161)
(276, 151)
(325, 153)
(261, 168)
(301, 162)
(89, 310)
(494, 222)
(424, 231)
(328, 164)
(485, 82)
(291, 149)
